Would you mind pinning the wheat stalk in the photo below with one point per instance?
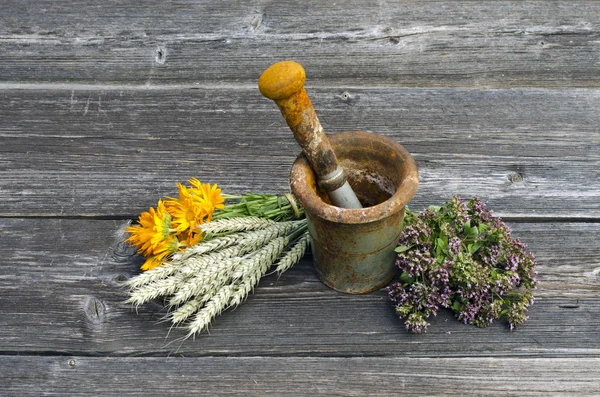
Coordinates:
(155, 289)
(193, 265)
(240, 238)
(250, 271)
(190, 307)
(209, 245)
(194, 259)
(199, 289)
(179, 274)
(206, 275)
(295, 253)
(188, 266)
(213, 308)
(222, 270)
(210, 278)
(235, 225)
(198, 275)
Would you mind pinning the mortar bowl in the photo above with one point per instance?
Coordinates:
(353, 249)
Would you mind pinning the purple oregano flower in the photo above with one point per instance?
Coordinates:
(460, 256)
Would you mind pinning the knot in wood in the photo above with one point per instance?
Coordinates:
(94, 310)
(516, 177)
(160, 55)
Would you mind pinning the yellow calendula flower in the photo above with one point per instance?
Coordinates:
(153, 229)
(150, 263)
(173, 224)
(160, 252)
(210, 195)
(187, 211)
(190, 237)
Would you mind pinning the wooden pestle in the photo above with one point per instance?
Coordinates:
(283, 82)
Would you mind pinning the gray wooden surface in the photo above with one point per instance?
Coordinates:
(104, 106)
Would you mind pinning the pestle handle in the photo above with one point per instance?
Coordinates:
(283, 83)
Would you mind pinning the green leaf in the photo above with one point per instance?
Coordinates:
(402, 248)
(474, 247)
(456, 306)
(440, 242)
(483, 227)
(441, 245)
(470, 233)
(406, 278)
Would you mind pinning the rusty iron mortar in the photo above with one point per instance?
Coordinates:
(353, 247)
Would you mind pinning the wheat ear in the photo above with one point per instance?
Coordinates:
(218, 273)
(168, 277)
(294, 254)
(209, 279)
(206, 246)
(213, 308)
(235, 225)
(155, 289)
(251, 270)
(193, 258)
(186, 310)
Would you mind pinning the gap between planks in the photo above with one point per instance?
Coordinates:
(29, 86)
(133, 218)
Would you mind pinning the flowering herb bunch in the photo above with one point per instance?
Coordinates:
(206, 251)
(459, 256)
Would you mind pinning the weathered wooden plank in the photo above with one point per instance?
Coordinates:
(298, 376)
(115, 152)
(415, 44)
(63, 278)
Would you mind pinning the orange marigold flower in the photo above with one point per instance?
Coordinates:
(153, 229)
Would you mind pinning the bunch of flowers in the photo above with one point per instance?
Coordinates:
(206, 251)
(172, 225)
(459, 256)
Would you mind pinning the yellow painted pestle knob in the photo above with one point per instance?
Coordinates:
(283, 83)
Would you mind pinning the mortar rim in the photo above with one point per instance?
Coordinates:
(313, 205)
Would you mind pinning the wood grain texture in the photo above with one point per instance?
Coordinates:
(105, 106)
(114, 152)
(387, 43)
(63, 279)
(298, 376)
